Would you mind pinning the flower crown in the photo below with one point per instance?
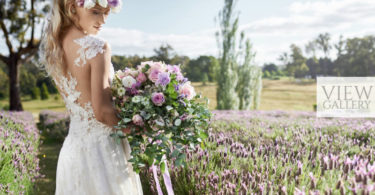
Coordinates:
(115, 5)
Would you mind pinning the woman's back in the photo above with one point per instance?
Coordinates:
(80, 71)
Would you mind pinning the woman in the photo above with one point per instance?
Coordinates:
(90, 162)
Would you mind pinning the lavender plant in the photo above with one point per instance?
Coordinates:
(19, 141)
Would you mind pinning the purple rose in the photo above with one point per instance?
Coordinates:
(163, 79)
(113, 3)
(173, 69)
(158, 98)
(180, 77)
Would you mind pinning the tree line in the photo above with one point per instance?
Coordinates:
(353, 57)
(36, 85)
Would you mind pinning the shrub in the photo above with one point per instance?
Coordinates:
(19, 141)
(44, 92)
(35, 93)
(54, 125)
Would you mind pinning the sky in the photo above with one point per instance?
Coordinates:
(271, 25)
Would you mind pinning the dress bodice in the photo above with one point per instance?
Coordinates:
(83, 115)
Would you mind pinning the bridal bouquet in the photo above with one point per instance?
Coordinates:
(165, 114)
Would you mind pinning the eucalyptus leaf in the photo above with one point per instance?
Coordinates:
(126, 120)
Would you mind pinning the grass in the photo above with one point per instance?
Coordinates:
(48, 155)
(284, 94)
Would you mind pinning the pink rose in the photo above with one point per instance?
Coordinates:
(141, 77)
(187, 90)
(158, 98)
(137, 120)
(154, 75)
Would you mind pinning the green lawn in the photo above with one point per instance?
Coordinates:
(284, 94)
(48, 155)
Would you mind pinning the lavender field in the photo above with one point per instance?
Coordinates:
(278, 152)
(247, 152)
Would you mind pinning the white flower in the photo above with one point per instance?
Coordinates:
(121, 91)
(128, 81)
(89, 4)
(103, 3)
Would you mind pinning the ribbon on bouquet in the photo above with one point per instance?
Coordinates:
(166, 178)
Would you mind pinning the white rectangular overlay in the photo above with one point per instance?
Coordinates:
(352, 97)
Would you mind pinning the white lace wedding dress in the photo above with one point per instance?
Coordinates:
(90, 161)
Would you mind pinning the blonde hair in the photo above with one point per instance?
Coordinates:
(51, 55)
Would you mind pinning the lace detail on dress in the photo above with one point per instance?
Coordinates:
(90, 47)
(84, 114)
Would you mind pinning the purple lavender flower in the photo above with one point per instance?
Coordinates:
(163, 79)
(176, 87)
(158, 98)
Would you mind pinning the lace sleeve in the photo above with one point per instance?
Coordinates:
(90, 47)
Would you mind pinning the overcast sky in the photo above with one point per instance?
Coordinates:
(189, 27)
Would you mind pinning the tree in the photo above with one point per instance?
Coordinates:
(227, 97)
(239, 81)
(17, 20)
(164, 53)
(270, 68)
(323, 44)
(203, 65)
(310, 48)
(297, 64)
(250, 80)
(35, 93)
(205, 79)
(358, 57)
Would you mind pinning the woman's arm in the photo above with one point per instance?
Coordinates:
(101, 97)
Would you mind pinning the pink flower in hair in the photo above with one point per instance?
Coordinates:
(80, 3)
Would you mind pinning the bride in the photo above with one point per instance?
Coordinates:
(90, 161)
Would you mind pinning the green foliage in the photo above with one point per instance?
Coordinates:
(35, 93)
(27, 82)
(4, 85)
(355, 57)
(266, 74)
(205, 79)
(203, 66)
(44, 94)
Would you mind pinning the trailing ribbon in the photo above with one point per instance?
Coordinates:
(166, 178)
